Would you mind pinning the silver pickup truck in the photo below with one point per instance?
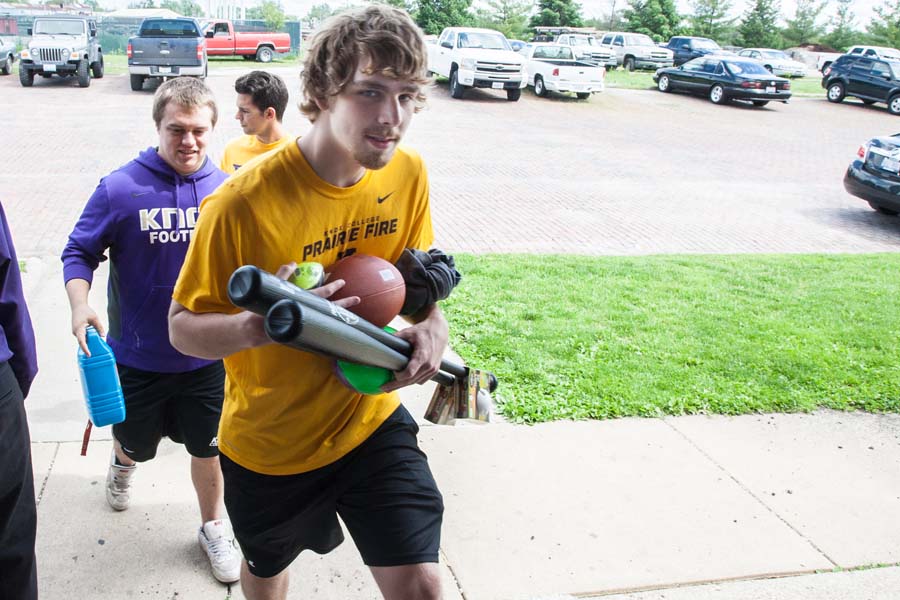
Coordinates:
(166, 48)
(63, 46)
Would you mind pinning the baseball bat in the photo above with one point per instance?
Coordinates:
(290, 323)
(256, 290)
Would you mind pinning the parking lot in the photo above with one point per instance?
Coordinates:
(626, 172)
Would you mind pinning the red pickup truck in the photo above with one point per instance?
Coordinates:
(223, 40)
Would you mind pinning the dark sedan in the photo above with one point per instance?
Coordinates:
(725, 78)
(875, 175)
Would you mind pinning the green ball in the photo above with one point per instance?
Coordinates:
(308, 275)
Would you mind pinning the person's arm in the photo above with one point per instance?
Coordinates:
(15, 321)
(428, 338)
(216, 335)
(82, 314)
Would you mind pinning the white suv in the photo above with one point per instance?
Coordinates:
(637, 51)
(875, 52)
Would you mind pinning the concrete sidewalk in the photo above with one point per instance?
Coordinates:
(688, 508)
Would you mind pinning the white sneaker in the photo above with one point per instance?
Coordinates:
(217, 539)
(118, 481)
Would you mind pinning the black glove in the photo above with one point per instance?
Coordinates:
(429, 276)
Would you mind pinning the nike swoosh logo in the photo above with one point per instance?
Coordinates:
(383, 198)
(136, 194)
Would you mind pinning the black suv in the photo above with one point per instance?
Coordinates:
(685, 48)
(869, 79)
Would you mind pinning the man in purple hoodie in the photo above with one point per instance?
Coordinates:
(143, 214)
(18, 366)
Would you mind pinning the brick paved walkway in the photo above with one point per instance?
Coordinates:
(628, 172)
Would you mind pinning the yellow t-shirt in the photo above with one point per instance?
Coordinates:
(285, 411)
(245, 148)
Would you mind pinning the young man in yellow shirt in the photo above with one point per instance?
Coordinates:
(297, 447)
(261, 100)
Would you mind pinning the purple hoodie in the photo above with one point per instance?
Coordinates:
(144, 213)
(16, 332)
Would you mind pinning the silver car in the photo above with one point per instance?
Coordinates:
(7, 55)
(776, 61)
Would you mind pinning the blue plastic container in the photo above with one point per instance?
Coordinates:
(100, 382)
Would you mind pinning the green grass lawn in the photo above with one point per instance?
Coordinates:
(581, 337)
(117, 64)
(803, 86)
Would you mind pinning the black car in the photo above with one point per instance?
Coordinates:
(725, 78)
(875, 175)
(685, 48)
(868, 78)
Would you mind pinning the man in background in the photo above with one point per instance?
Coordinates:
(261, 101)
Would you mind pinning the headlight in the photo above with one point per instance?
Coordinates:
(30, 53)
(65, 54)
(468, 63)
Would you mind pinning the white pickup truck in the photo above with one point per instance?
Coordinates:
(553, 68)
(481, 58)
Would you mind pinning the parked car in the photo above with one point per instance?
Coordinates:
(481, 58)
(62, 46)
(776, 61)
(517, 45)
(223, 40)
(869, 79)
(166, 47)
(875, 52)
(725, 78)
(875, 175)
(687, 48)
(7, 56)
(554, 68)
(587, 47)
(636, 51)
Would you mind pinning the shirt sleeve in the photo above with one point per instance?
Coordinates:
(15, 321)
(93, 234)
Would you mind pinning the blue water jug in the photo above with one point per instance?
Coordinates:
(100, 382)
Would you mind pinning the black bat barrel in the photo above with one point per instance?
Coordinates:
(256, 290)
(288, 322)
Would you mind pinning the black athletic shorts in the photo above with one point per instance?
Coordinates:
(383, 490)
(183, 406)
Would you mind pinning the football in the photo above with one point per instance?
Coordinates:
(377, 282)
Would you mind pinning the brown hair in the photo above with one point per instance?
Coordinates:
(186, 92)
(382, 33)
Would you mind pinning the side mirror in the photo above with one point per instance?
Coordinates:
(210, 33)
(446, 45)
(685, 47)
(28, 31)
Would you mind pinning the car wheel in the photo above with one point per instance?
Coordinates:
(456, 90)
(137, 83)
(883, 210)
(514, 94)
(836, 92)
(894, 104)
(717, 94)
(6, 68)
(664, 85)
(97, 68)
(264, 55)
(629, 64)
(539, 88)
(582, 95)
(26, 76)
(84, 73)
(760, 102)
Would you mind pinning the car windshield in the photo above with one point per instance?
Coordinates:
(706, 45)
(775, 54)
(585, 40)
(638, 40)
(746, 68)
(64, 27)
(477, 39)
